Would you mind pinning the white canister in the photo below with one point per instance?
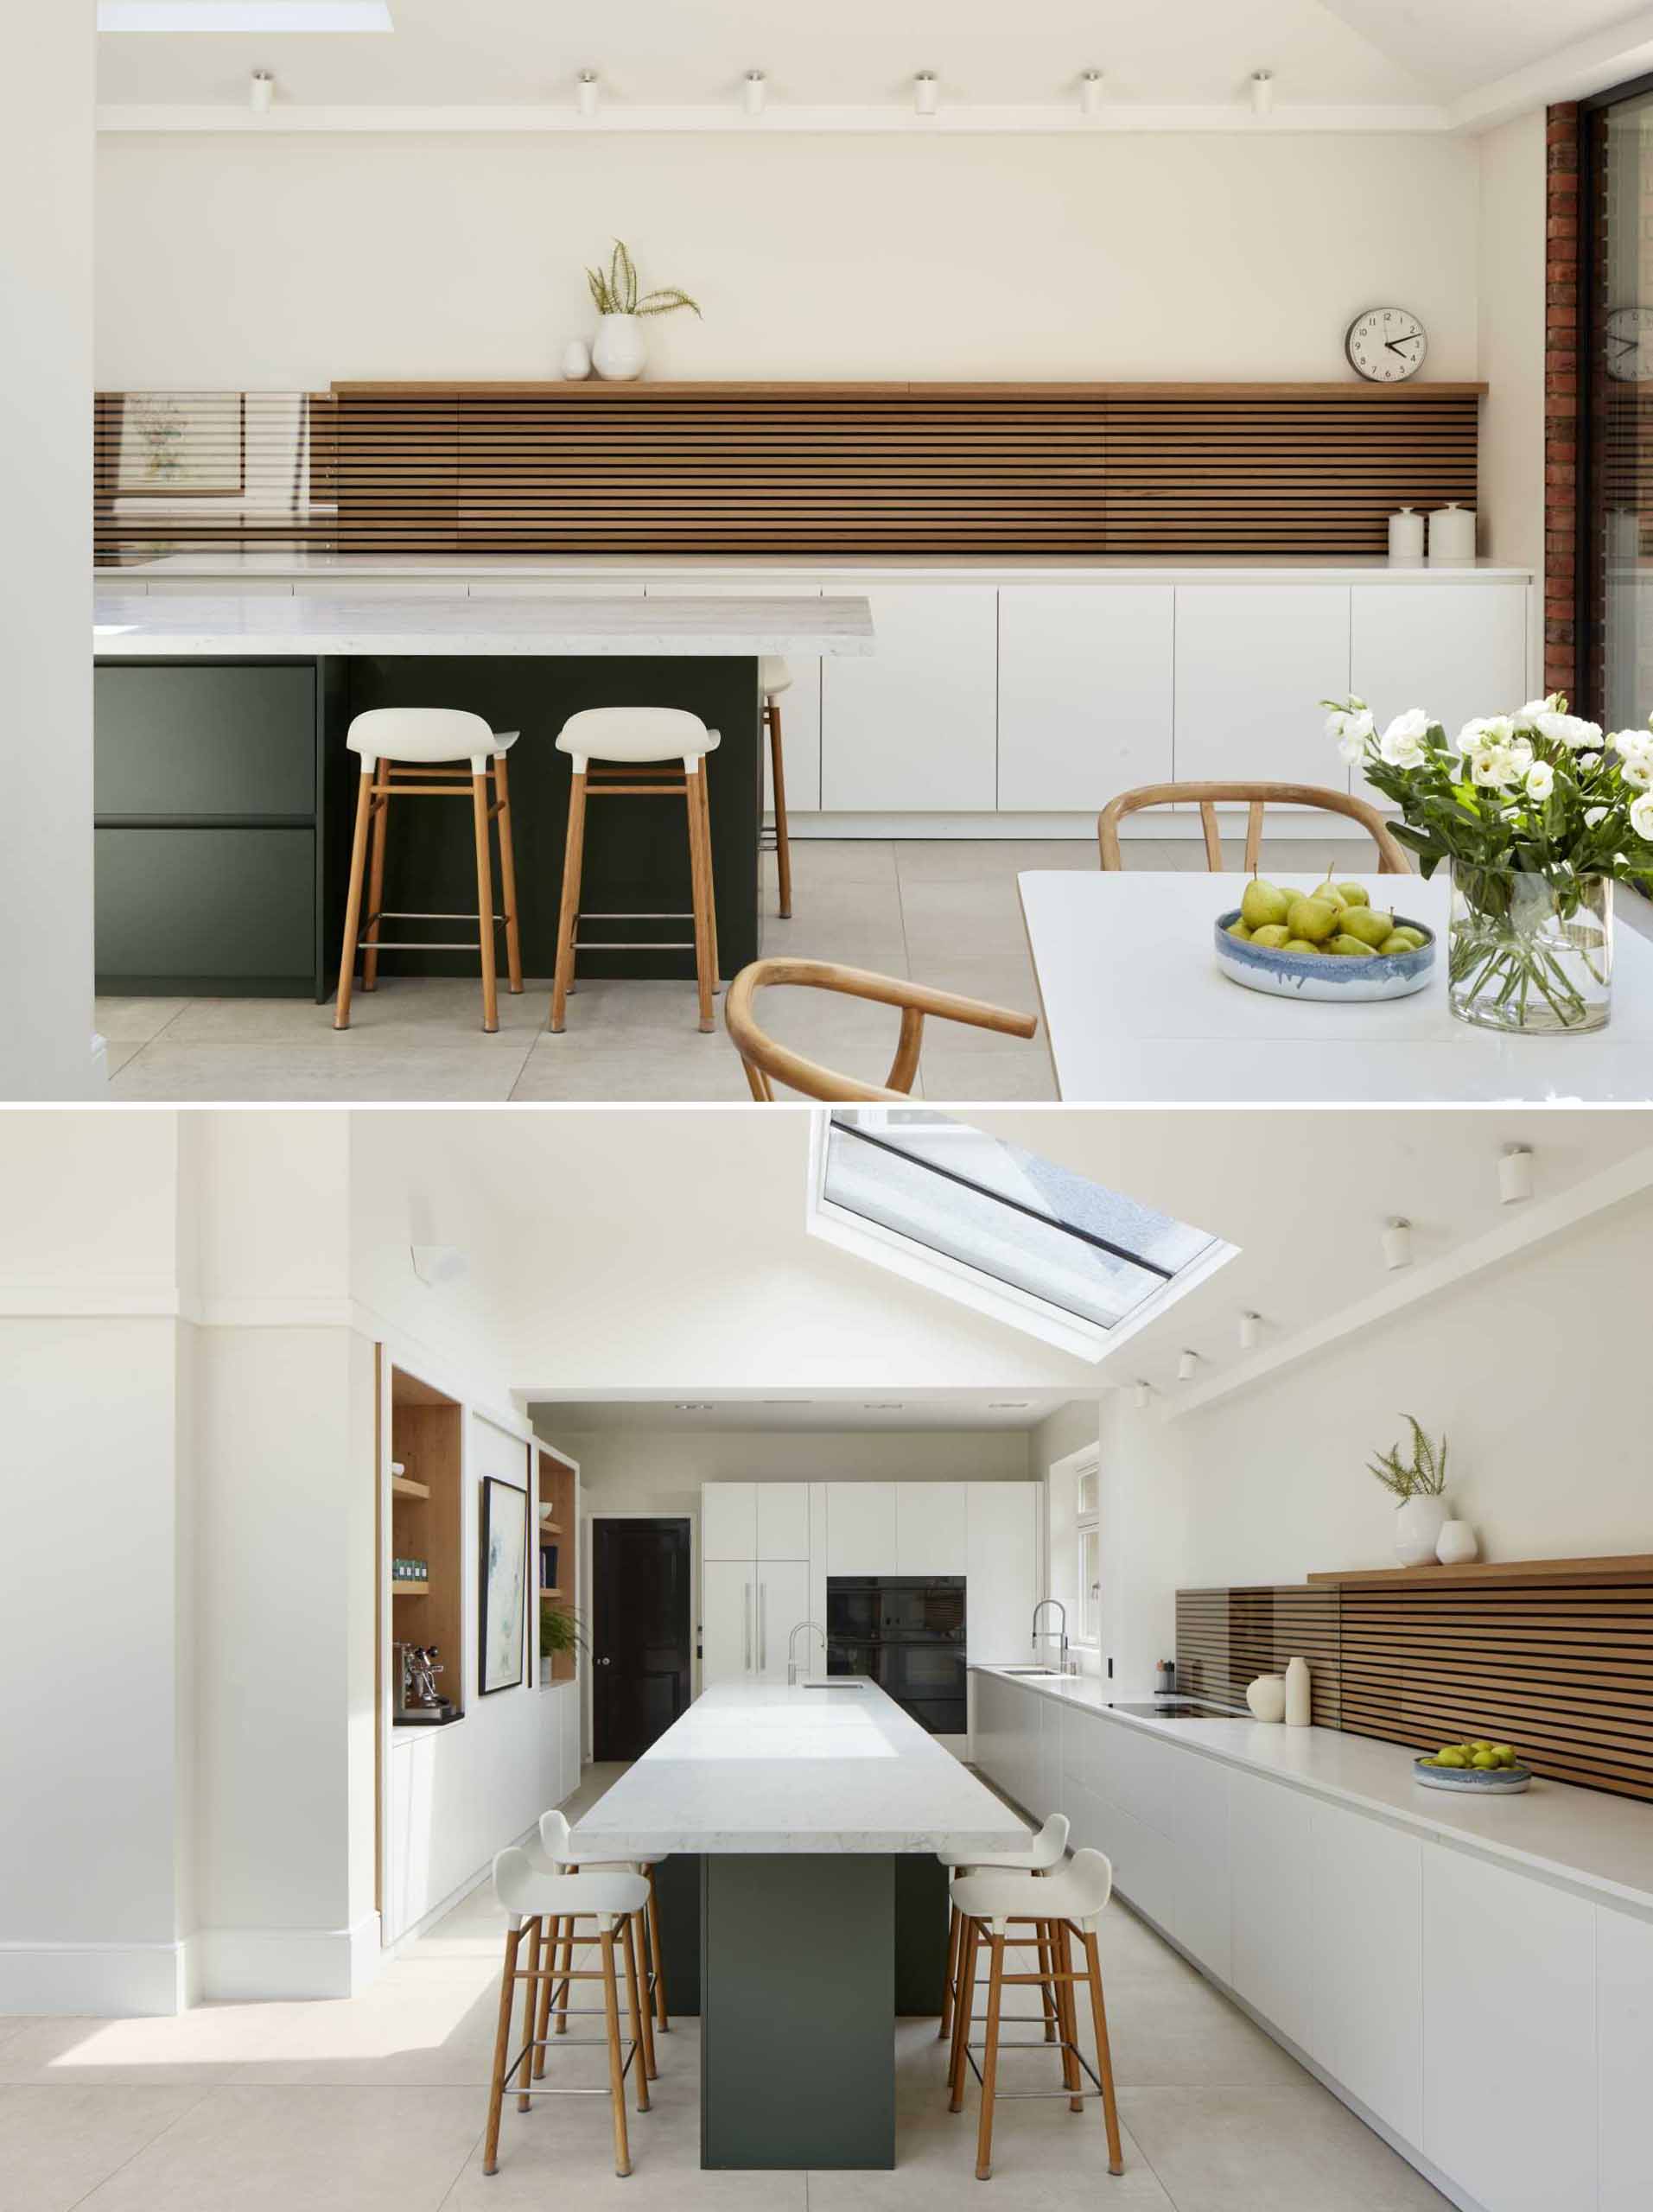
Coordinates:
(1267, 1697)
(1297, 1693)
(1418, 1523)
(576, 361)
(619, 355)
(1406, 536)
(1456, 1544)
(1452, 533)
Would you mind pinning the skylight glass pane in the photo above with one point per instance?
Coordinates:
(1015, 1218)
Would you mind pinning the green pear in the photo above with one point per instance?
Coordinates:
(1348, 948)
(1299, 944)
(1330, 893)
(1262, 904)
(1504, 1754)
(1354, 894)
(1415, 937)
(1272, 934)
(1452, 1754)
(1483, 1760)
(1239, 930)
(1313, 918)
(1370, 927)
(1395, 943)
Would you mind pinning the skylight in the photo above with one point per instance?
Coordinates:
(1003, 1229)
(223, 17)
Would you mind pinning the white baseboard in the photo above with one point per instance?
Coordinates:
(96, 1981)
(1163, 824)
(244, 1964)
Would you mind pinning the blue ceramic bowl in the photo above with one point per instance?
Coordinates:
(1328, 976)
(1475, 1780)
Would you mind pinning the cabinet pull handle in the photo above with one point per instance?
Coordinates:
(763, 1627)
(746, 1623)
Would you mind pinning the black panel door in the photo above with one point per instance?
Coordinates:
(640, 1629)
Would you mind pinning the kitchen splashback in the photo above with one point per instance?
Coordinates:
(1226, 1638)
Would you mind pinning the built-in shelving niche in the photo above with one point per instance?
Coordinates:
(427, 1524)
(555, 1557)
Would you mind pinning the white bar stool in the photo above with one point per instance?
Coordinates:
(619, 752)
(1047, 1849)
(773, 677)
(552, 1852)
(613, 1901)
(403, 752)
(1058, 1906)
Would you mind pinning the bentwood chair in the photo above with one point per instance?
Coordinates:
(1391, 855)
(768, 1062)
(773, 677)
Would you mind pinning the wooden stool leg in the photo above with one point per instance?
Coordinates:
(502, 2037)
(695, 782)
(1046, 1993)
(637, 2003)
(508, 876)
(1072, 2072)
(525, 2071)
(542, 1999)
(777, 787)
(376, 874)
(656, 1961)
(616, 2071)
(955, 1932)
(560, 1993)
(1104, 2057)
(485, 903)
(990, 2061)
(963, 2004)
(352, 902)
(568, 916)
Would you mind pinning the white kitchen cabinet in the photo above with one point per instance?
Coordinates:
(1456, 649)
(1084, 693)
(1253, 662)
(914, 726)
(1624, 2033)
(728, 1603)
(931, 1529)
(860, 1528)
(1368, 1955)
(800, 706)
(728, 1521)
(783, 1520)
(782, 1600)
(1270, 1876)
(1001, 1564)
(1509, 2087)
(1200, 1860)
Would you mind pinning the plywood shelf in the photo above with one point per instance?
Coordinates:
(551, 1528)
(409, 1589)
(1627, 1567)
(404, 1486)
(553, 1593)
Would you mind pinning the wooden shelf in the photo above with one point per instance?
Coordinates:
(550, 1529)
(1626, 1567)
(553, 1593)
(676, 388)
(409, 1589)
(404, 1486)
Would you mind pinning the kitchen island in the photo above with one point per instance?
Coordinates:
(224, 791)
(820, 1816)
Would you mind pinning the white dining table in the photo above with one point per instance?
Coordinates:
(1137, 1010)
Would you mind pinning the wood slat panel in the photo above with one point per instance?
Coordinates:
(1226, 1638)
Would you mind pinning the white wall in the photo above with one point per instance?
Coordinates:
(1509, 282)
(292, 260)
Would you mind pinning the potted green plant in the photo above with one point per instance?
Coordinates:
(1420, 1486)
(560, 1632)
(619, 353)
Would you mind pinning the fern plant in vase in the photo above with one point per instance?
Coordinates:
(619, 353)
(1419, 1486)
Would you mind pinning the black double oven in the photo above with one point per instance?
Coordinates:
(905, 1632)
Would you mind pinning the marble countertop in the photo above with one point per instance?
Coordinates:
(230, 622)
(1584, 1839)
(757, 1767)
(1374, 568)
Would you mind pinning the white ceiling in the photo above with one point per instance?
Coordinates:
(825, 1414)
(666, 52)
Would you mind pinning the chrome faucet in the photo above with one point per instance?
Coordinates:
(1033, 1640)
(801, 1628)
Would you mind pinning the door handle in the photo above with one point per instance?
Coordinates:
(747, 1624)
(763, 1628)
(603, 1663)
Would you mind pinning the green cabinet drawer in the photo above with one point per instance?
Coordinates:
(209, 739)
(200, 905)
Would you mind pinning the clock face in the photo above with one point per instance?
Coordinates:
(1627, 344)
(1386, 344)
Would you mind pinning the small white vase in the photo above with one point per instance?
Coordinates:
(619, 353)
(1418, 1523)
(1267, 1697)
(576, 361)
(1299, 1694)
(1456, 1544)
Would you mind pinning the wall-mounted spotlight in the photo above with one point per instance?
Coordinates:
(926, 91)
(437, 1264)
(1515, 1175)
(261, 90)
(1398, 1243)
(754, 91)
(1187, 1366)
(1141, 1394)
(586, 94)
(1250, 1332)
(1263, 91)
(1091, 91)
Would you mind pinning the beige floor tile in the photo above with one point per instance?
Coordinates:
(201, 2048)
(961, 920)
(412, 2029)
(955, 1075)
(134, 1021)
(115, 1055)
(985, 858)
(708, 1071)
(425, 1010)
(344, 1069)
(1270, 2150)
(836, 860)
(57, 2144)
(303, 2150)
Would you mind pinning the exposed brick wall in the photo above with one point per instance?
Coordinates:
(1561, 400)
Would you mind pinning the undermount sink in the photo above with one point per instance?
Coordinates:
(1042, 1674)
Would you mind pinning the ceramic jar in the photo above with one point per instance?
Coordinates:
(1456, 1544)
(619, 353)
(576, 361)
(1299, 1694)
(1267, 1697)
(1418, 1523)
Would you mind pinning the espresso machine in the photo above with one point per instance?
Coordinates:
(417, 1698)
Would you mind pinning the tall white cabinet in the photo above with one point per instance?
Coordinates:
(755, 1544)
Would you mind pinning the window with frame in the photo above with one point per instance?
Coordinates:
(1087, 1527)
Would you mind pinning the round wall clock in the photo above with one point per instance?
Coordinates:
(1628, 350)
(1386, 344)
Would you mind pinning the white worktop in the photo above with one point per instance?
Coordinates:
(230, 622)
(1136, 1009)
(758, 1767)
(915, 569)
(1584, 1838)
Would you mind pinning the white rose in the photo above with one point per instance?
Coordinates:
(1569, 730)
(1353, 728)
(1638, 773)
(1540, 780)
(1589, 759)
(1633, 744)
(1528, 717)
(1402, 743)
(1484, 730)
(1641, 817)
(1593, 814)
(1494, 768)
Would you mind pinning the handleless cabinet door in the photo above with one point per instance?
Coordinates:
(1454, 649)
(1084, 693)
(860, 1528)
(782, 1600)
(1271, 1880)
(1253, 664)
(216, 741)
(1368, 1928)
(1002, 1556)
(1200, 1920)
(800, 703)
(912, 727)
(932, 1536)
(728, 1521)
(783, 1520)
(1624, 2031)
(727, 1611)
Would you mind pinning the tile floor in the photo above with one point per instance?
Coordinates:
(944, 912)
(377, 2104)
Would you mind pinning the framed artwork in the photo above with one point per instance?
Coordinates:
(179, 445)
(503, 1549)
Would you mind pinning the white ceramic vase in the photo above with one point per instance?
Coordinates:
(620, 353)
(1418, 1524)
(1267, 1697)
(576, 361)
(1299, 1694)
(1456, 1544)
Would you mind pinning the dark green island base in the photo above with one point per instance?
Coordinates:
(225, 797)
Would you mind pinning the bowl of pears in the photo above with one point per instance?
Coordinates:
(1328, 942)
(1484, 1770)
